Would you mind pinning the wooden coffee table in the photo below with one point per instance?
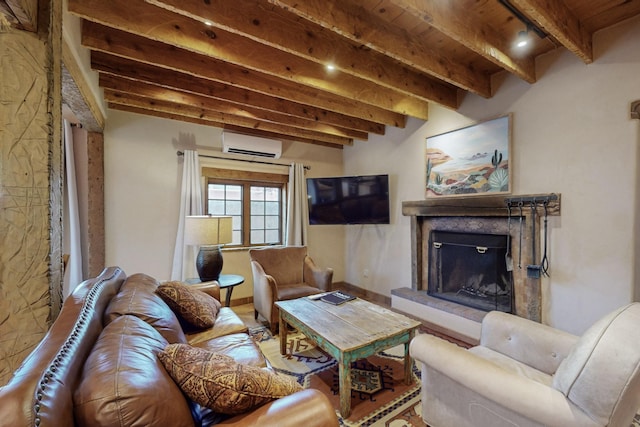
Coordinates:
(348, 332)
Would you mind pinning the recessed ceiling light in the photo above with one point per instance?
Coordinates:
(208, 23)
(330, 67)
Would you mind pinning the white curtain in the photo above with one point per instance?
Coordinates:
(297, 208)
(190, 204)
(72, 240)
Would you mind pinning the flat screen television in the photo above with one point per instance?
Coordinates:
(349, 200)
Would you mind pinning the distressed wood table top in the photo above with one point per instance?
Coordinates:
(348, 332)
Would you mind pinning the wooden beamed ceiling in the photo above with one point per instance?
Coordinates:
(260, 66)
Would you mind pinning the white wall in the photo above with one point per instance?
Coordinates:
(142, 193)
(571, 135)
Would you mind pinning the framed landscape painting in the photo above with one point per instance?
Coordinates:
(470, 161)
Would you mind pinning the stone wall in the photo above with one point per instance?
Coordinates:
(30, 185)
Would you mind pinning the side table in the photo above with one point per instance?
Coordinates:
(225, 281)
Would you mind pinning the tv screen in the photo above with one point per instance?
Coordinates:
(349, 200)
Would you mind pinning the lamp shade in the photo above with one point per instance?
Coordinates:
(207, 230)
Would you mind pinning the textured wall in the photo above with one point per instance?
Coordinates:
(30, 182)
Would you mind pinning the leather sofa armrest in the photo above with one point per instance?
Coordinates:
(460, 372)
(318, 277)
(308, 408)
(539, 346)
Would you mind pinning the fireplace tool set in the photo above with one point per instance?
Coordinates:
(534, 270)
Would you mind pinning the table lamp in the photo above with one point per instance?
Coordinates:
(208, 232)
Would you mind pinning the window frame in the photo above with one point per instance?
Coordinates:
(247, 179)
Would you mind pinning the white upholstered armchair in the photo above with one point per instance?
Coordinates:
(527, 374)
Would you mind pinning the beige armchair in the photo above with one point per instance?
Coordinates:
(527, 374)
(284, 273)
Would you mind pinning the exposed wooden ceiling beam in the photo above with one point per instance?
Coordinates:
(237, 129)
(115, 65)
(608, 14)
(557, 20)
(98, 37)
(152, 104)
(123, 85)
(451, 19)
(261, 63)
(361, 26)
(265, 134)
(286, 32)
(185, 33)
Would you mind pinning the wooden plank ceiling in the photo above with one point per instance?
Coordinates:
(260, 66)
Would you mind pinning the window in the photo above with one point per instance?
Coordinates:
(254, 200)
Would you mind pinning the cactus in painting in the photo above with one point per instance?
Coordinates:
(499, 178)
(496, 159)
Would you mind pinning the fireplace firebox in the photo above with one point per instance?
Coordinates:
(470, 269)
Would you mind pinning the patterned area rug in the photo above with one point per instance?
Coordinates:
(378, 399)
(379, 396)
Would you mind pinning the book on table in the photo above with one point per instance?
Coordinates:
(337, 298)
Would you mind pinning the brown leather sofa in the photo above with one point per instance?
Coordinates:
(98, 365)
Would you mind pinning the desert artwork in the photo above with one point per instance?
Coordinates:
(471, 160)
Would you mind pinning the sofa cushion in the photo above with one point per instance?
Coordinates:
(124, 384)
(137, 297)
(240, 347)
(216, 381)
(195, 307)
(602, 365)
(227, 323)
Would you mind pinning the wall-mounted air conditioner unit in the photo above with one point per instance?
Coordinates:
(251, 145)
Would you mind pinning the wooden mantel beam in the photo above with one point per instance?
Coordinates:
(485, 205)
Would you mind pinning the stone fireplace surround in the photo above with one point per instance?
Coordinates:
(473, 214)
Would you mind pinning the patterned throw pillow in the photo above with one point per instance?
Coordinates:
(217, 382)
(194, 306)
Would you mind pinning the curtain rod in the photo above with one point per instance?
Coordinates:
(181, 153)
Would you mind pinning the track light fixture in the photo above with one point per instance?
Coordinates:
(531, 26)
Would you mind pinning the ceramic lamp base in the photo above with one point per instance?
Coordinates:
(209, 263)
